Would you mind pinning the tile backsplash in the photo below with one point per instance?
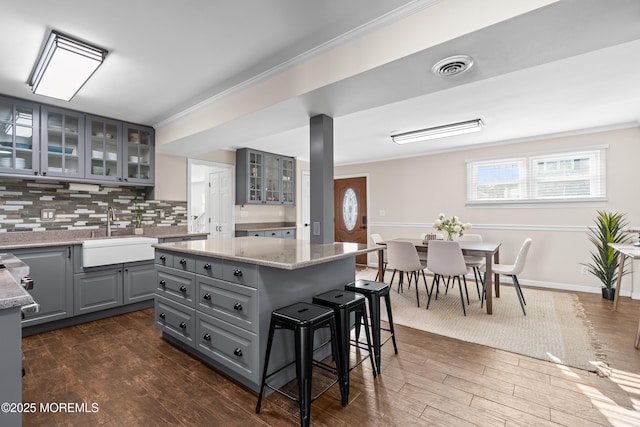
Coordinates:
(22, 203)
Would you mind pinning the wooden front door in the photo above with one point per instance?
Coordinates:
(350, 212)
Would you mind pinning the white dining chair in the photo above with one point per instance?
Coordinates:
(475, 263)
(403, 257)
(512, 270)
(377, 239)
(445, 259)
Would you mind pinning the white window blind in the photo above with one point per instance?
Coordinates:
(538, 178)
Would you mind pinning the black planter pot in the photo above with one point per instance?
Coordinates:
(608, 293)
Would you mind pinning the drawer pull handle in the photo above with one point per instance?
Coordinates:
(237, 352)
(162, 316)
(183, 261)
(237, 273)
(163, 258)
(183, 325)
(237, 306)
(207, 337)
(183, 288)
(207, 266)
(163, 283)
(207, 297)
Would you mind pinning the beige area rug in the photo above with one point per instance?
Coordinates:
(555, 327)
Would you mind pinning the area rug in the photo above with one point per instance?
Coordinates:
(555, 327)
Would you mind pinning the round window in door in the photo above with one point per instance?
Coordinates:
(350, 209)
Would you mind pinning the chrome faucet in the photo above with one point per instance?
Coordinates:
(111, 216)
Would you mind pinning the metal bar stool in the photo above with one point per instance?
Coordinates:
(373, 291)
(304, 320)
(343, 304)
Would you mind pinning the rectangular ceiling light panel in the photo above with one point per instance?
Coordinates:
(438, 132)
(65, 64)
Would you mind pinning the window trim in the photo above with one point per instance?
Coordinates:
(527, 160)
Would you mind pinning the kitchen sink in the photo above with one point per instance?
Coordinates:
(118, 250)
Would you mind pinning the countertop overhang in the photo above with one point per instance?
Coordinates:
(287, 254)
(12, 294)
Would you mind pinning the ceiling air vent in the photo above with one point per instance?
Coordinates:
(452, 66)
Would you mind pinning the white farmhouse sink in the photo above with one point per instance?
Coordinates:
(97, 252)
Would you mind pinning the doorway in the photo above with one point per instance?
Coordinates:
(350, 212)
(211, 198)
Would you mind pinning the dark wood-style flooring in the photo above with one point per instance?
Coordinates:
(136, 379)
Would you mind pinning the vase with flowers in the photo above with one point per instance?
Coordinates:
(452, 226)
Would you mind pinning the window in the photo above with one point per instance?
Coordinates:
(549, 177)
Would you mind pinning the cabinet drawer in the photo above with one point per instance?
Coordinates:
(232, 347)
(289, 233)
(209, 267)
(164, 259)
(232, 303)
(175, 319)
(184, 263)
(176, 285)
(240, 273)
(273, 233)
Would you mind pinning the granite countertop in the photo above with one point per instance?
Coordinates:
(12, 294)
(30, 239)
(265, 226)
(287, 254)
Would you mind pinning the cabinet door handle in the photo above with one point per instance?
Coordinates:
(237, 352)
(183, 288)
(207, 266)
(207, 337)
(183, 325)
(163, 258)
(162, 316)
(237, 273)
(163, 283)
(237, 307)
(183, 261)
(207, 297)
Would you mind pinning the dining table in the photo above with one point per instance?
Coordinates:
(490, 252)
(626, 252)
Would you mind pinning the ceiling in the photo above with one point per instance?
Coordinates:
(571, 66)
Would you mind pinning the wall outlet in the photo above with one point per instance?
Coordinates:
(584, 269)
(47, 215)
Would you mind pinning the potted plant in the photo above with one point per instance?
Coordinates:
(609, 228)
(137, 217)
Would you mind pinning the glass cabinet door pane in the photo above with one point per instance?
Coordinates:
(272, 178)
(255, 177)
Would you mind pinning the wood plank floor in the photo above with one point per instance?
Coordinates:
(137, 379)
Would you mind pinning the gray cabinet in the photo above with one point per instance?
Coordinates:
(101, 288)
(284, 233)
(19, 137)
(182, 238)
(104, 149)
(52, 271)
(62, 143)
(264, 178)
(138, 154)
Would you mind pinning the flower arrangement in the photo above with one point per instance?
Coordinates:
(453, 226)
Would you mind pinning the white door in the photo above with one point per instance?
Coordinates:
(306, 205)
(220, 204)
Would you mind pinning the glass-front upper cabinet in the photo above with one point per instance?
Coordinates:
(272, 178)
(19, 137)
(138, 154)
(62, 144)
(104, 150)
(256, 164)
(288, 180)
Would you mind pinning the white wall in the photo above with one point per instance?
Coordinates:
(406, 195)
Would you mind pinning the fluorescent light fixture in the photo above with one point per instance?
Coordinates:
(64, 65)
(438, 132)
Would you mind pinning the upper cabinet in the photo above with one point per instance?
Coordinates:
(62, 143)
(264, 178)
(45, 141)
(19, 137)
(138, 150)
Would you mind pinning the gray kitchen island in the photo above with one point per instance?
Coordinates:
(214, 298)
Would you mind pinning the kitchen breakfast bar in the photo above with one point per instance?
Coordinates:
(214, 298)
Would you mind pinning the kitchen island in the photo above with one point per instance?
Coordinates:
(214, 298)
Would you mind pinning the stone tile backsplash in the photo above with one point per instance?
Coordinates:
(22, 203)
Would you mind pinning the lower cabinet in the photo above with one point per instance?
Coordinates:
(51, 269)
(101, 288)
(282, 233)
